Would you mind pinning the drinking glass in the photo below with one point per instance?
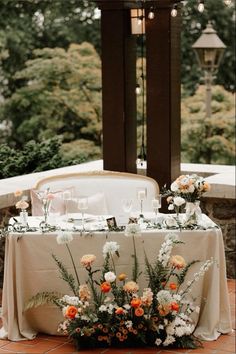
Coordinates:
(82, 206)
(156, 205)
(67, 196)
(127, 205)
(141, 195)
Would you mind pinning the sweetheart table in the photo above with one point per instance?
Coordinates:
(30, 268)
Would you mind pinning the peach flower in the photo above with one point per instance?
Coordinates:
(50, 196)
(131, 287)
(22, 204)
(164, 309)
(177, 262)
(84, 293)
(87, 260)
(18, 193)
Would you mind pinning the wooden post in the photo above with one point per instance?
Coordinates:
(163, 94)
(118, 85)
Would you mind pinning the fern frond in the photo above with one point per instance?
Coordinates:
(65, 275)
(43, 298)
(182, 275)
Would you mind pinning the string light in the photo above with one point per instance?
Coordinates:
(138, 89)
(151, 14)
(174, 11)
(201, 6)
(228, 2)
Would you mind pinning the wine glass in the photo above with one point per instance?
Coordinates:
(127, 205)
(82, 206)
(141, 195)
(156, 205)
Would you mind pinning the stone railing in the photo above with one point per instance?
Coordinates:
(219, 204)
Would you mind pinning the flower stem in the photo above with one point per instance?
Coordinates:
(73, 263)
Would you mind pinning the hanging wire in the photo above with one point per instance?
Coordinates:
(142, 154)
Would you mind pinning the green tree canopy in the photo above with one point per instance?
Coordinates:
(208, 140)
(60, 94)
(29, 24)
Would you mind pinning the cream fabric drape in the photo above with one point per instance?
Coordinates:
(30, 268)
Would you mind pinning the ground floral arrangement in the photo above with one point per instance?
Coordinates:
(111, 310)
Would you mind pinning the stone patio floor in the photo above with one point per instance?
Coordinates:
(61, 345)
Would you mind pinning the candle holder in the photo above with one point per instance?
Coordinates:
(156, 205)
(82, 206)
(141, 195)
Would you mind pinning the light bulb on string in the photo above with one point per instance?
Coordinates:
(151, 14)
(138, 89)
(201, 6)
(140, 21)
(227, 2)
(174, 11)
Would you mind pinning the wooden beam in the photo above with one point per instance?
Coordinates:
(118, 83)
(163, 95)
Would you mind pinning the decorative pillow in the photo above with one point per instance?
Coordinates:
(96, 203)
(57, 205)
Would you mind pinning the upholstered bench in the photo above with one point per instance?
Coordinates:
(105, 189)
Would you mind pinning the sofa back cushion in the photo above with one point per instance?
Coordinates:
(115, 186)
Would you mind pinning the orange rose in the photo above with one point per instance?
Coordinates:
(139, 312)
(135, 302)
(122, 276)
(105, 287)
(71, 311)
(174, 306)
(119, 311)
(173, 286)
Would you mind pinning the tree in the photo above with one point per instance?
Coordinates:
(223, 21)
(60, 94)
(29, 24)
(208, 140)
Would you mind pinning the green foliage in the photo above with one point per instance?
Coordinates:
(43, 298)
(208, 140)
(29, 24)
(60, 95)
(84, 150)
(34, 157)
(223, 21)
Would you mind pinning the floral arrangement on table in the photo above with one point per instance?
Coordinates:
(186, 191)
(111, 310)
(22, 204)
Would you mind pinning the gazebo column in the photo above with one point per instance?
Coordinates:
(118, 85)
(163, 94)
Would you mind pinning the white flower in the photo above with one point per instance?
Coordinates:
(171, 207)
(127, 306)
(169, 340)
(102, 308)
(164, 297)
(128, 324)
(64, 237)
(170, 330)
(158, 341)
(174, 187)
(110, 277)
(71, 300)
(110, 247)
(132, 230)
(178, 201)
(197, 309)
(170, 222)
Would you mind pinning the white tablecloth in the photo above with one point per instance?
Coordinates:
(30, 268)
